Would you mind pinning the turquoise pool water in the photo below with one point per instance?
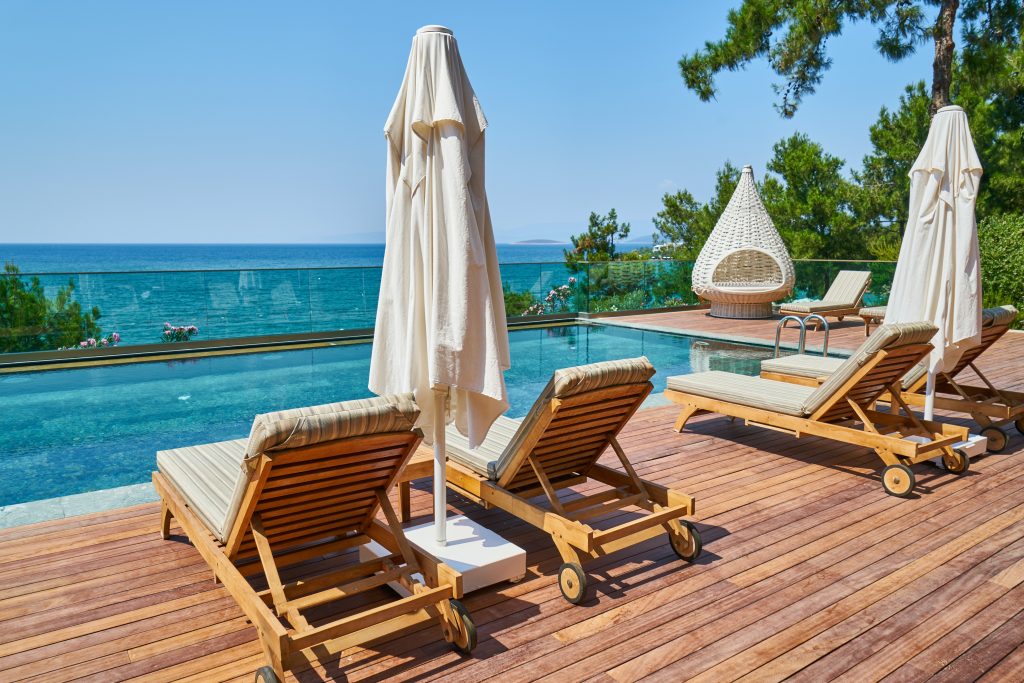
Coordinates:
(71, 431)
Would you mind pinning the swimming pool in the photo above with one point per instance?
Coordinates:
(77, 430)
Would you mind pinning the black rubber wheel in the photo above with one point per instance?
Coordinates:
(265, 674)
(463, 633)
(687, 549)
(572, 581)
(997, 439)
(958, 463)
(898, 480)
(1020, 425)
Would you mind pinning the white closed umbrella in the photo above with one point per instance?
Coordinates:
(938, 275)
(440, 330)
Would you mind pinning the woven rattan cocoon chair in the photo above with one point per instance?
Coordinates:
(744, 266)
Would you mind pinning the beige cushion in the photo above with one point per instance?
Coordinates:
(315, 424)
(213, 477)
(794, 399)
(754, 392)
(492, 458)
(888, 336)
(875, 312)
(846, 292)
(812, 307)
(803, 365)
(1001, 315)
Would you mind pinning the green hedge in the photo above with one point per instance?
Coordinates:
(1001, 239)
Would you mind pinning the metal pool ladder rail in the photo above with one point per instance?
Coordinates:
(802, 322)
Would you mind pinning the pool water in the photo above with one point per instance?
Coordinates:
(77, 430)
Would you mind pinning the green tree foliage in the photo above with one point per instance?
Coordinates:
(686, 222)
(1001, 241)
(810, 201)
(804, 192)
(598, 242)
(29, 321)
(793, 37)
(884, 187)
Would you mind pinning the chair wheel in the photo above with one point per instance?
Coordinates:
(265, 674)
(898, 480)
(688, 546)
(572, 582)
(956, 461)
(997, 439)
(464, 631)
(1020, 424)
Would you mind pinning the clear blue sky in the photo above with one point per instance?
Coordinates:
(189, 121)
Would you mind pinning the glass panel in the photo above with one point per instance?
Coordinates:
(250, 303)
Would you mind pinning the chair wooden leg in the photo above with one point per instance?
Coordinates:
(404, 501)
(684, 415)
(165, 521)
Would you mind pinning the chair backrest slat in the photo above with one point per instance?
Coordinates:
(315, 472)
(579, 430)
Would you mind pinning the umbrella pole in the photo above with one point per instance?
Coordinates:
(929, 396)
(440, 486)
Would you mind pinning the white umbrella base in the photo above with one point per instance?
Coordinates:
(976, 445)
(483, 557)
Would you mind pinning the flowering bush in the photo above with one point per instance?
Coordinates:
(556, 300)
(178, 333)
(112, 339)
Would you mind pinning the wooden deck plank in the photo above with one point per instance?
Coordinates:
(811, 572)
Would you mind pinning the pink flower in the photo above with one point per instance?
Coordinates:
(115, 337)
(167, 325)
(91, 341)
(83, 344)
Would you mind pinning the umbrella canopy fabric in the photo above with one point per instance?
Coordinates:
(938, 273)
(441, 314)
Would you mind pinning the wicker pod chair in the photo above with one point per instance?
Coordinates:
(744, 266)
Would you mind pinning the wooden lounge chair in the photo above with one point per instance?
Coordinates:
(842, 408)
(308, 484)
(843, 298)
(574, 420)
(990, 407)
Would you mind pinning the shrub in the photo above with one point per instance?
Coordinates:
(516, 303)
(1001, 239)
(178, 333)
(29, 321)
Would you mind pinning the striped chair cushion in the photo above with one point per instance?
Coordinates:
(492, 458)
(754, 392)
(848, 287)
(890, 335)
(874, 312)
(803, 365)
(213, 477)
(306, 426)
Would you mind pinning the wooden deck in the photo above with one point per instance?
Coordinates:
(810, 571)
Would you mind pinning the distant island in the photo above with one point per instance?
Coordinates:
(540, 242)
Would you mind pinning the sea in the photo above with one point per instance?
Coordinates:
(93, 258)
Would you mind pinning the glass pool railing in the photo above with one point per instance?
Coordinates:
(276, 303)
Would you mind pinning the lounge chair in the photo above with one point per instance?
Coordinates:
(871, 315)
(836, 408)
(574, 420)
(308, 484)
(988, 406)
(843, 298)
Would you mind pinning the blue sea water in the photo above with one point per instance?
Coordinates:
(84, 258)
(87, 429)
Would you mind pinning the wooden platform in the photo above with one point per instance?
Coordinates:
(809, 571)
(845, 335)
